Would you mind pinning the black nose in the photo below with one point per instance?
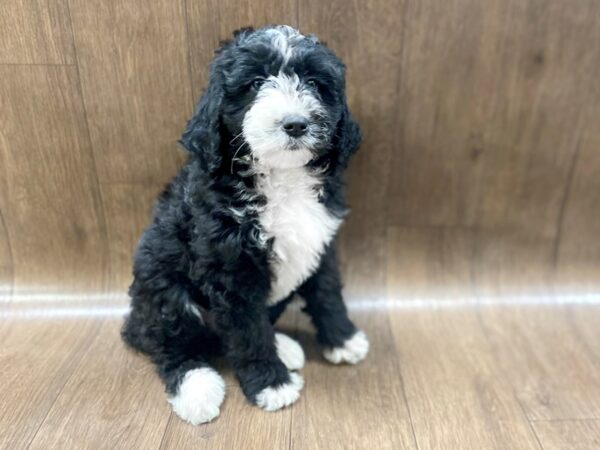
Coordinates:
(295, 126)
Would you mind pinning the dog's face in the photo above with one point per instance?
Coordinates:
(283, 95)
(277, 96)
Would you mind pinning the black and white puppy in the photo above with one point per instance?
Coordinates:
(249, 222)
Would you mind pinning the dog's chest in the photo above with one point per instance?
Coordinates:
(299, 225)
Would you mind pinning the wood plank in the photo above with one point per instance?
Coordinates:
(136, 86)
(128, 212)
(368, 37)
(6, 257)
(582, 322)
(205, 33)
(37, 357)
(457, 395)
(360, 406)
(6, 263)
(511, 266)
(430, 265)
(553, 368)
(51, 202)
(35, 32)
(112, 399)
(568, 434)
(486, 102)
(578, 249)
(436, 130)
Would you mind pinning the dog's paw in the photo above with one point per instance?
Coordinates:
(354, 350)
(199, 396)
(289, 351)
(274, 398)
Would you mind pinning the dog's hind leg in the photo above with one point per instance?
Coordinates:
(194, 389)
(178, 342)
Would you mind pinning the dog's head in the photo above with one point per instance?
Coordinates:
(276, 95)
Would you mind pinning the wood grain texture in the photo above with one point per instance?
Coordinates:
(35, 32)
(436, 377)
(486, 102)
(568, 434)
(112, 399)
(457, 397)
(6, 263)
(359, 406)
(6, 256)
(36, 357)
(470, 265)
(551, 365)
(211, 21)
(128, 212)
(577, 251)
(430, 264)
(50, 199)
(354, 31)
(581, 323)
(476, 117)
(509, 264)
(133, 63)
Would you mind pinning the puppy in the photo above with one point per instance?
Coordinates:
(248, 223)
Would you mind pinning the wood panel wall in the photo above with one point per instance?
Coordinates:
(480, 119)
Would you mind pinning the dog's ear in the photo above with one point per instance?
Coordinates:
(202, 136)
(349, 136)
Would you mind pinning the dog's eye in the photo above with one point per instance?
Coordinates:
(258, 82)
(311, 82)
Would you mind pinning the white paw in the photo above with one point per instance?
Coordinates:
(289, 351)
(272, 399)
(199, 396)
(354, 350)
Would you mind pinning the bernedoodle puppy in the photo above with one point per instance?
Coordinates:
(248, 223)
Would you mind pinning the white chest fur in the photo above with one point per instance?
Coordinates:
(300, 225)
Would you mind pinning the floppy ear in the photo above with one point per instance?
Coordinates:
(349, 137)
(202, 136)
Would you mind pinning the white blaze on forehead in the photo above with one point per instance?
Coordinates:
(284, 38)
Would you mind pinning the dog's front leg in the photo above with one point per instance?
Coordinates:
(341, 340)
(251, 345)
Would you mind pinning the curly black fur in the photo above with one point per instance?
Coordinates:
(201, 275)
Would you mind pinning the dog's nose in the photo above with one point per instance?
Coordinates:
(295, 126)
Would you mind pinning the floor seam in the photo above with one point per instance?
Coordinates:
(75, 363)
(513, 393)
(402, 385)
(162, 439)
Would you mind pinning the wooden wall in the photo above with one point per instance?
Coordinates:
(482, 122)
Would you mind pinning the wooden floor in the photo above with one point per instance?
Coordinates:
(467, 352)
